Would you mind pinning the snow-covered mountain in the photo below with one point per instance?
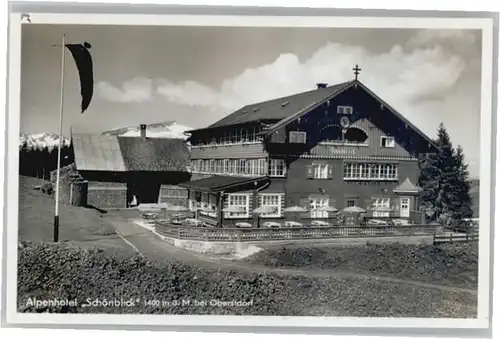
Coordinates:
(167, 129)
(41, 140)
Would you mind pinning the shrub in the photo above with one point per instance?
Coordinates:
(47, 188)
(65, 272)
(454, 264)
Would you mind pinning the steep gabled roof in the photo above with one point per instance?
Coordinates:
(284, 110)
(314, 105)
(277, 109)
(95, 152)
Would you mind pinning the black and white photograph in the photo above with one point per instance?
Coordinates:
(253, 170)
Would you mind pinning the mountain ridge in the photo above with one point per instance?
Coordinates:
(166, 129)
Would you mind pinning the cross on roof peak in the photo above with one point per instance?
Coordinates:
(356, 71)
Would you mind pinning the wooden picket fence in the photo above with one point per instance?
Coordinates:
(455, 237)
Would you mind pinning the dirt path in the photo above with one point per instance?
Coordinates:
(153, 248)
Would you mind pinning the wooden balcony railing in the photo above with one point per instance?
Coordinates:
(257, 234)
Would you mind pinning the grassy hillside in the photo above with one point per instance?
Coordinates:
(78, 225)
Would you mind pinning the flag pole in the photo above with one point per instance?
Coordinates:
(61, 102)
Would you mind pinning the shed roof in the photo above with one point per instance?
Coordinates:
(154, 154)
(95, 152)
(217, 183)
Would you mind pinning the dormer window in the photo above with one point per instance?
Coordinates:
(296, 137)
(345, 110)
(386, 141)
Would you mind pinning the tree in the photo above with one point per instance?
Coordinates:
(444, 179)
(462, 207)
(23, 157)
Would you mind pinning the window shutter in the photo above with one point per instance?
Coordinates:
(304, 203)
(369, 203)
(332, 203)
(225, 204)
(329, 171)
(250, 205)
(309, 172)
(282, 204)
(396, 203)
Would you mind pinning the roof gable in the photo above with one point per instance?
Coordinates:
(407, 186)
(340, 90)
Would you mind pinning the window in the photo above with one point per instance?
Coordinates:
(317, 203)
(350, 202)
(386, 141)
(320, 171)
(209, 204)
(381, 207)
(219, 166)
(297, 137)
(238, 200)
(262, 167)
(362, 171)
(244, 135)
(241, 166)
(345, 110)
(234, 136)
(277, 167)
(374, 171)
(355, 135)
(271, 200)
(232, 166)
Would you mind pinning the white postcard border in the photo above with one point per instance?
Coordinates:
(12, 200)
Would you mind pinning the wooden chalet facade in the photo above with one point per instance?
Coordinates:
(120, 169)
(335, 146)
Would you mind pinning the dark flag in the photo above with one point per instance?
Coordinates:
(83, 61)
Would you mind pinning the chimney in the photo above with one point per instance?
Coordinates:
(143, 132)
(321, 85)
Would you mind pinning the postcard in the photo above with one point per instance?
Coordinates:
(255, 170)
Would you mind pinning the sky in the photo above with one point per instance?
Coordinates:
(197, 75)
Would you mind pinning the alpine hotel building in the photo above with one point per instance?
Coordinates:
(337, 146)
